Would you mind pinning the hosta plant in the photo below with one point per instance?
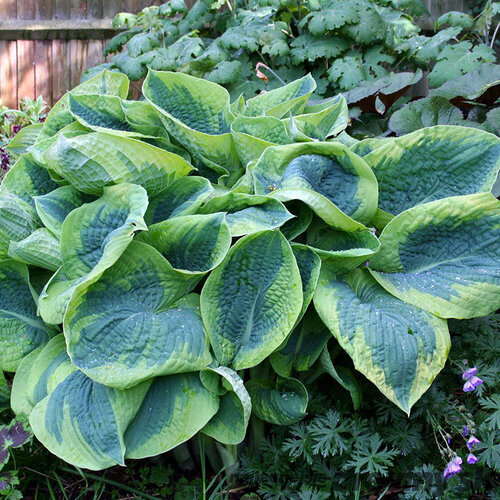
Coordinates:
(178, 265)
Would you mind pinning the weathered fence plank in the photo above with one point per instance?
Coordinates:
(45, 45)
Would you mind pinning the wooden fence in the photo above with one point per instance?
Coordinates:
(45, 45)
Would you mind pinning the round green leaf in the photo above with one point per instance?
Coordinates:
(283, 402)
(230, 423)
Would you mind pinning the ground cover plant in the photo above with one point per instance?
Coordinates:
(371, 50)
(182, 265)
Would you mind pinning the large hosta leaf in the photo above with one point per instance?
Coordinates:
(93, 237)
(303, 347)
(320, 124)
(40, 248)
(18, 217)
(60, 116)
(83, 422)
(246, 213)
(252, 135)
(174, 409)
(346, 250)
(106, 113)
(21, 331)
(39, 374)
(291, 98)
(93, 426)
(337, 184)
(230, 423)
(444, 256)
(283, 402)
(130, 325)
(434, 163)
(183, 197)
(92, 161)
(25, 138)
(397, 346)
(193, 244)
(197, 113)
(251, 301)
(54, 207)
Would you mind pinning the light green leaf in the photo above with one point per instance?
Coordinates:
(246, 213)
(40, 248)
(387, 85)
(193, 244)
(247, 315)
(459, 59)
(337, 184)
(252, 135)
(325, 123)
(53, 207)
(39, 374)
(174, 409)
(290, 98)
(106, 113)
(92, 161)
(460, 161)
(229, 424)
(362, 148)
(397, 346)
(472, 85)
(443, 256)
(283, 402)
(130, 325)
(454, 18)
(27, 178)
(21, 331)
(183, 197)
(197, 113)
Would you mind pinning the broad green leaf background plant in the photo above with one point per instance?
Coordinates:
(371, 50)
(177, 266)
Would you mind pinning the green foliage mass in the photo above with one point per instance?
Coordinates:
(183, 265)
(372, 45)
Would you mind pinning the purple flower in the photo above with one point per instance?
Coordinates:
(471, 384)
(472, 459)
(453, 467)
(472, 441)
(468, 374)
(466, 430)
